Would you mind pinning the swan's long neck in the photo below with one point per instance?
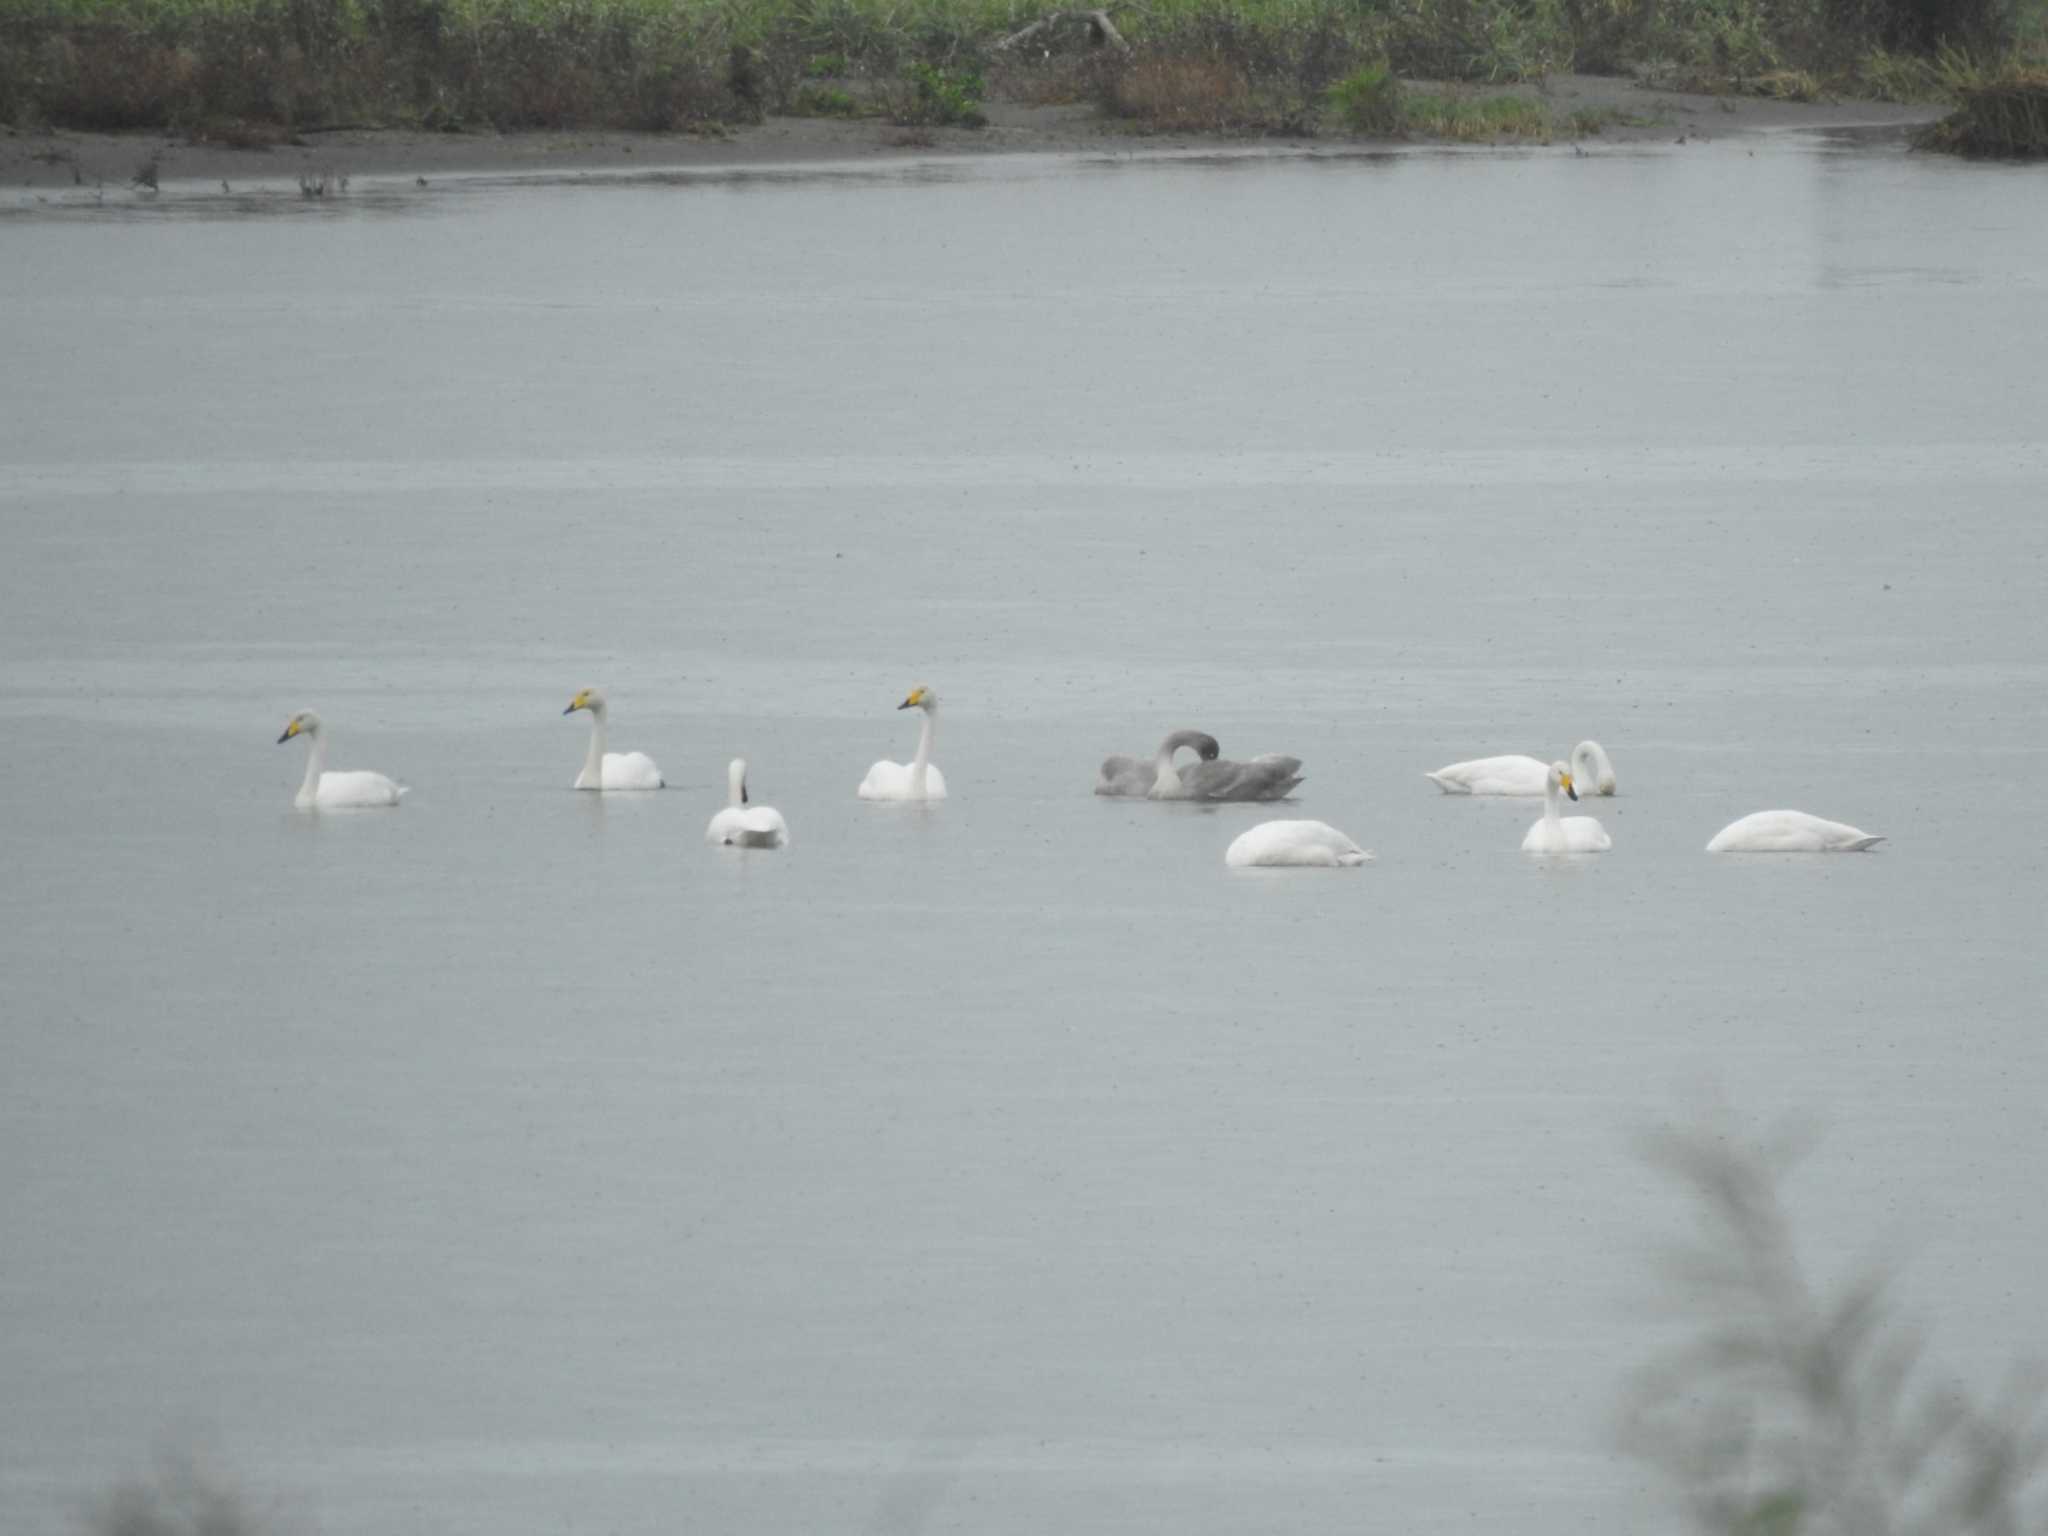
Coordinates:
(736, 785)
(593, 763)
(1552, 805)
(316, 764)
(1168, 780)
(923, 760)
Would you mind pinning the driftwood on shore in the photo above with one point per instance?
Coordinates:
(1102, 31)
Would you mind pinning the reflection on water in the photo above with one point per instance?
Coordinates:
(512, 1161)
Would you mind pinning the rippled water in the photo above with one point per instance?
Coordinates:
(514, 1163)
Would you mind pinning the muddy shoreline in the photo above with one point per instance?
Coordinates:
(62, 160)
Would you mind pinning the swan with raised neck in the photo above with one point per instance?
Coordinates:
(609, 770)
(920, 779)
(1556, 833)
(742, 825)
(338, 789)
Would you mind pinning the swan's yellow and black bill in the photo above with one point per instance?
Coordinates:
(916, 698)
(291, 729)
(578, 702)
(1566, 780)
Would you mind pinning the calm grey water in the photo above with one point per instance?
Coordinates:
(514, 1163)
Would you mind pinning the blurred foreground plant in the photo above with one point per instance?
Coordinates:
(1794, 1412)
(183, 1498)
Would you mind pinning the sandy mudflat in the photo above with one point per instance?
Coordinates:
(60, 159)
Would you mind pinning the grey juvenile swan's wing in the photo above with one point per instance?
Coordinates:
(1135, 776)
(1270, 777)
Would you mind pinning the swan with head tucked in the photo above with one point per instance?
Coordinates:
(1790, 832)
(341, 789)
(741, 825)
(1294, 844)
(918, 779)
(1136, 775)
(610, 770)
(1515, 774)
(1267, 777)
(1564, 834)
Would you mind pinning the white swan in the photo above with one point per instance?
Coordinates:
(343, 789)
(1790, 832)
(919, 779)
(1519, 775)
(1135, 776)
(610, 770)
(741, 825)
(1267, 777)
(1300, 844)
(1564, 834)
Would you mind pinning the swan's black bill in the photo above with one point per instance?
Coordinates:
(1572, 790)
(287, 736)
(570, 710)
(904, 705)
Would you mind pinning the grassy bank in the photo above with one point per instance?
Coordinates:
(241, 69)
(2002, 114)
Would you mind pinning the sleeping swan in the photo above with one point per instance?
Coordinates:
(1300, 844)
(1790, 832)
(919, 779)
(1564, 834)
(740, 825)
(1136, 775)
(1518, 775)
(610, 770)
(343, 789)
(1268, 777)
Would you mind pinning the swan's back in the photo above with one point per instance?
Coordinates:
(892, 781)
(1572, 834)
(757, 826)
(1298, 844)
(1790, 832)
(349, 788)
(1513, 774)
(1269, 777)
(629, 770)
(1122, 775)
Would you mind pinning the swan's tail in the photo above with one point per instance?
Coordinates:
(404, 790)
(1862, 843)
(1441, 783)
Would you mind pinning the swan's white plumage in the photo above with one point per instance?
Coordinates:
(347, 788)
(741, 825)
(1554, 833)
(1515, 774)
(623, 770)
(338, 789)
(918, 779)
(609, 770)
(893, 781)
(1790, 832)
(1298, 844)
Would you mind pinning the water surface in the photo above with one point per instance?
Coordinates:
(515, 1163)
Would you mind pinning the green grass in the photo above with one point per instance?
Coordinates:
(2000, 114)
(1206, 65)
(1477, 119)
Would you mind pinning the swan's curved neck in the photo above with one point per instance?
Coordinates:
(593, 763)
(736, 786)
(923, 760)
(1167, 781)
(1552, 805)
(316, 764)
